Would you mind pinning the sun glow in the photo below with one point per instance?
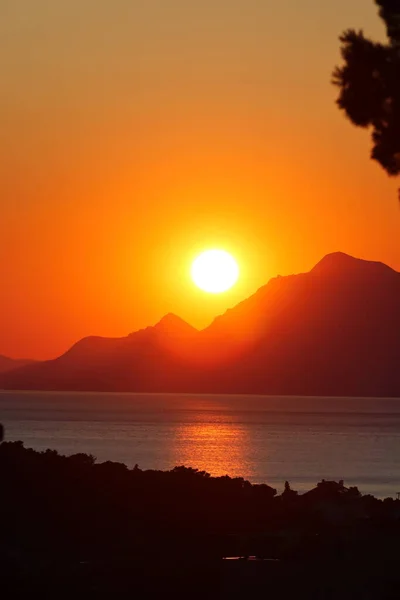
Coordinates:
(215, 271)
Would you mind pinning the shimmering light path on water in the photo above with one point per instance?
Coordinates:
(264, 439)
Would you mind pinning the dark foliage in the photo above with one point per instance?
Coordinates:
(369, 83)
(389, 10)
(73, 527)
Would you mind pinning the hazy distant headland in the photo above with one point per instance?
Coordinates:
(334, 331)
(7, 364)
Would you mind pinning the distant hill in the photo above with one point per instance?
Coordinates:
(332, 331)
(7, 364)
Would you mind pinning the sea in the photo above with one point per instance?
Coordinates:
(264, 439)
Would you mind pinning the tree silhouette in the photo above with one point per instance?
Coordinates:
(288, 493)
(369, 83)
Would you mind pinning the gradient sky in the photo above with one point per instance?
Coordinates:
(135, 133)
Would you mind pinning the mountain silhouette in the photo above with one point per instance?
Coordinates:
(7, 364)
(332, 331)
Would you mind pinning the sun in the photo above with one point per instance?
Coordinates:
(215, 271)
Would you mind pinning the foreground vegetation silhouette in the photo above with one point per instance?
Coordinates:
(369, 83)
(71, 526)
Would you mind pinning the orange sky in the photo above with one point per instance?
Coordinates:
(135, 133)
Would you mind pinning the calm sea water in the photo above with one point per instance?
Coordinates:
(264, 439)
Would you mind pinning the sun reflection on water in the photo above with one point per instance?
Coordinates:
(219, 448)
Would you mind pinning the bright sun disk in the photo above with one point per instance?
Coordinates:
(215, 271)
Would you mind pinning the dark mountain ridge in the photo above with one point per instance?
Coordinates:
(332, 331)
